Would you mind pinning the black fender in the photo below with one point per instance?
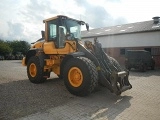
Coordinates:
(72, 55)
(69, 56)
(36, 52)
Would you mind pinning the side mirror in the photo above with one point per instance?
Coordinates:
(42, 33)
(87, 26)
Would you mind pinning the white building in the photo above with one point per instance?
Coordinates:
(117, 39)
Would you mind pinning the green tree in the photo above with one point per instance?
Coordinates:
(4, 48)
(19, 46)
(25, 47)
(13, 47)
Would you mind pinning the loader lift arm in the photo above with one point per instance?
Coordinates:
(110, 72)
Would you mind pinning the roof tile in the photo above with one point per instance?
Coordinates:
(122, 29)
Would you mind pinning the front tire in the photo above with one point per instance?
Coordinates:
(35, 71)
(80, 76)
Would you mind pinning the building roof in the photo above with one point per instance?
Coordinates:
(145, 26)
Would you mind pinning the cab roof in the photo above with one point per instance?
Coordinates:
(61, 16)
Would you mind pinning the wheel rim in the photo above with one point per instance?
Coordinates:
(32, 69)
(75, 77)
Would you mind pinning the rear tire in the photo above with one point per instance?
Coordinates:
(80, 76)
(116, 64)
(60, 76)
(35, 71)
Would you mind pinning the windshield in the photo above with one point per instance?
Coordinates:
(73, 29)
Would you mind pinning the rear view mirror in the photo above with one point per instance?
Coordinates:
(42, 33)
(87, 26)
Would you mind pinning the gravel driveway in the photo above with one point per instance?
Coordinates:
(21, 99)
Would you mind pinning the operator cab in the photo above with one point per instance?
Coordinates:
(62, 28)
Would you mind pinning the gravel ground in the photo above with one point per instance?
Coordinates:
(21, 99)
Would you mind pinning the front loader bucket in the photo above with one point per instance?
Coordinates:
(119, 82)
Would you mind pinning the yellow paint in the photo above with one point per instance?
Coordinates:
(23, 61)
(38, 44)
(55, 54)
(49, 48)
(49, 19)
(75, 77)
(50, 62)
(32, 70)
(56, 69)
(53, 64)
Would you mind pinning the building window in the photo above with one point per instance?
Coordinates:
(122, 51)
(148, 49)
(155, 51)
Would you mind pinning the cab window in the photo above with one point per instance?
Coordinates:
(52, 30)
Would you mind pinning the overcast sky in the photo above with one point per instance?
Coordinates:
(22, 19)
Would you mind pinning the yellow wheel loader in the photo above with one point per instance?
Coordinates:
(83, 66)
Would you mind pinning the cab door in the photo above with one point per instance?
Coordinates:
(56, 39)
